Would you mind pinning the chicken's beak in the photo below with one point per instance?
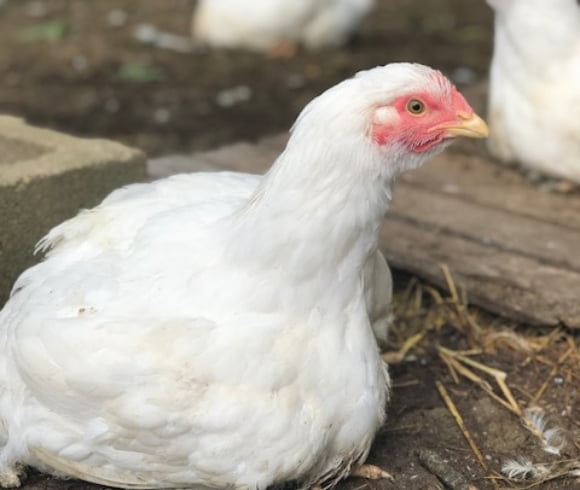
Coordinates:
(467, 125)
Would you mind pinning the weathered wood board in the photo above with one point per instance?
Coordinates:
(513, 248)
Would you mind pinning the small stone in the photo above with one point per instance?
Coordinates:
(149, 34)
(232, 96)
(117, 18)
(146, 33)
(79, 62)
(162, 115)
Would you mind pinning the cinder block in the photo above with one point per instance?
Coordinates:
(47, 177)
(160, 167)
(240, 157)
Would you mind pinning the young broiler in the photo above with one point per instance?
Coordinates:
(534, 95)
(213, 330)
(277, 26)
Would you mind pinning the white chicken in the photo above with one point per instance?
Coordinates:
(534, 99)
(214, 330)
(264, 25)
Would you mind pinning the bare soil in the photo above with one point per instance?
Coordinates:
(85, 78)
(76, 66)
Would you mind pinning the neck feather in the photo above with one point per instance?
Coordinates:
(317, 211)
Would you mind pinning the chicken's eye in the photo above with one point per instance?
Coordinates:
(415, 107)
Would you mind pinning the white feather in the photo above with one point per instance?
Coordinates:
(523, 469)
(553, 439)
(535, 74)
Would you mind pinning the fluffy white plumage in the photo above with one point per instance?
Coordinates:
(534, 85)
(261, 25)
(214, 330)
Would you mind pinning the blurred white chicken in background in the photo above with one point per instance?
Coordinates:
(534, 101)
(268, 25)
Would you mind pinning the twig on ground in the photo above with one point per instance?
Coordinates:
(461, 424)
(454, 359)
(465, 319)
(553, 371)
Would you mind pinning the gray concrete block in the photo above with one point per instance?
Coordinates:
(47, 177)
(160, 167)
(242, 157)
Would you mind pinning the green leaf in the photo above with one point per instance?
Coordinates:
(51, 31)
(140, 73)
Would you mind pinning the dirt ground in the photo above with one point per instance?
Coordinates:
(88, 75)
(76, 65)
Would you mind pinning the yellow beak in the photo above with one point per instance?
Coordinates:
(467, 125)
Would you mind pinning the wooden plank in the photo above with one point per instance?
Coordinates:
(476, 179)
(497, 228)
(509, 284)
